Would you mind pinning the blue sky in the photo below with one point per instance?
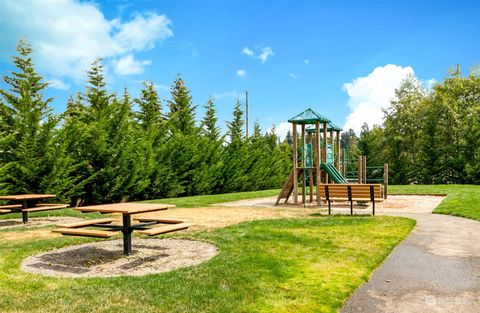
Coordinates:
(341, 58)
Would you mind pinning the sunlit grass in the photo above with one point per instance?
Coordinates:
(290, 265)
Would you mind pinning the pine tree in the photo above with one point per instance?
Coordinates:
(182, 111)
(235, 127)
(235, 156)
(209, 124)
(27, 128)
(150, 114)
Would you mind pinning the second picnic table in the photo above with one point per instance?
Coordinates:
(29, 203)
(127, 210)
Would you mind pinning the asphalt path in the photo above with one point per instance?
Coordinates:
(436, 269)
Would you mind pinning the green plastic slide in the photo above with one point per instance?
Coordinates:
(333, 173)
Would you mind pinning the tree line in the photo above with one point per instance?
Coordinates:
(102, 150)
(429, 136)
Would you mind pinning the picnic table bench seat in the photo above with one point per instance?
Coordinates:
(165, 229)
(86, 232)
(46, 207)
(159, 220)
(8, 208)
(86, 223)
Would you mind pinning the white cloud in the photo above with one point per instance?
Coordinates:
(68, 35)
(306, 61)
(242, 73)
(265, 54)
(161, 87)
(227, 94)
(372, 93)
(282, 129)
(127, 65)
(293, 76)
(429, 83)
(262, 53)
(58, 84)
(247, 51)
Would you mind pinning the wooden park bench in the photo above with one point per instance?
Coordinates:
(352, 192)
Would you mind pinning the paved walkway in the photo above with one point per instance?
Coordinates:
(436, 269)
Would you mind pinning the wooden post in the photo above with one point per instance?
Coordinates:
(360, 167)
(338, 150)
(310, 170)
(364, 169)
(317, 161)
(385, 180)
(295, 161)
(303, 165)
(325, 148)
(343, 162)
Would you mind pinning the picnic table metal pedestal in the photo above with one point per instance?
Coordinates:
(27, 201)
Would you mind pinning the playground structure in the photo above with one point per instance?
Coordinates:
(322, 159)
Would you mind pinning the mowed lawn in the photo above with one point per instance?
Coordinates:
(290, 265)
(461, 200)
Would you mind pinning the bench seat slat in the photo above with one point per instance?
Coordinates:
(10, 206)
(160, 220)
(86, 232)
(46, 208)
(165, 229)
(87, 223)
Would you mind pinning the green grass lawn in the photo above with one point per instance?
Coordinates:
(289, 265)
(462, 200)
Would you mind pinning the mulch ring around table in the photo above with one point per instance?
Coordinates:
(106, 259)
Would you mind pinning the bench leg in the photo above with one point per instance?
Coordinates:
(127, 235)
(351, 207)
(329, 208)
(373, 208)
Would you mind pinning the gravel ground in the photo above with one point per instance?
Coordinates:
(106, 259)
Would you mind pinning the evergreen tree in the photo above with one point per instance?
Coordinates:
(182, 111)
(27, 127)
(150, 113)
(209, 127)
(235, 127)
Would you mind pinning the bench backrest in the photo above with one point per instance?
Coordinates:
(358, 191)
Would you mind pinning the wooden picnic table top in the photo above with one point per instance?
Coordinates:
(126, 207)
(27, 197)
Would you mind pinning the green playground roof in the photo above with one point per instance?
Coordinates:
(309, 116)
(331, 127)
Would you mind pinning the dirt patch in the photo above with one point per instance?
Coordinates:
(229, 213)
(37, 221)
(106, 259)
(27, 235)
